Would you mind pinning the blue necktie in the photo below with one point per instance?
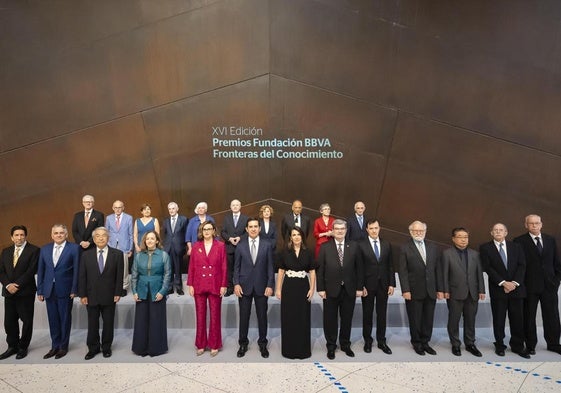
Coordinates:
(376, 249)
(100, 261)
(503, 255)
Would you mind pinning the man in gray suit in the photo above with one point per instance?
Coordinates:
(463, 286)
(419, 266)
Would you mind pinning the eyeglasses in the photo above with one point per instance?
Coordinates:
(208, 229)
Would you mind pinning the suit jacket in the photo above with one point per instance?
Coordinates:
(230, 230)
(288, 223)
(100, 288)
(174, 241)
(254, 278)
(271, 235)
(460, 280)
(542, 271)
(377, 272)
(24, 272)
(330, 273)
(355, 231)
(416, 277)
(121, 238)
(208, 273)
(494, 267)
(82, 233)
(60, 280)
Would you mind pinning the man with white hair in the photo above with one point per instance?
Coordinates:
(175, 227)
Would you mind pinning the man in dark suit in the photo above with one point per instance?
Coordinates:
(85, 221)
(295, 219)
(543, 273)
(504, 263)
(174, 244)
(463, 286)
(18, 265)
(100, 286)
(340, 280)
(120, 227)
(419, 276)
(379, 283)
(357, 223)
(57, 283)
(233, 230)
(254, 280)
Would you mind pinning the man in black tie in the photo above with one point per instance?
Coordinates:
(543, 273)
(379, 283)
(295, 219)
(505, 264)
(419, 276)
(340, 280)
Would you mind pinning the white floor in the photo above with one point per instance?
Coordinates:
(180, 370)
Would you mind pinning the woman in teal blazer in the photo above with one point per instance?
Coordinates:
(151, 275)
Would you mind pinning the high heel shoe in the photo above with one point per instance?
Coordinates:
(213, 352)
(200, 352)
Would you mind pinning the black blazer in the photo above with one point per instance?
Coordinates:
(288, 223)
(24, 272)
(355, 231)
(459, 281)
(330, 274)
(416, 277)
(494, 267)
(271, 235)
(175, 241)
(100, 288)
(229, 230)
(377, 271)
(79, 230)
(542, 271)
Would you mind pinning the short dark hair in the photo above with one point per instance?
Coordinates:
(459, 229)
(252, 219)
(372, 221)
(17, 228)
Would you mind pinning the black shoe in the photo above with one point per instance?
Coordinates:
(419, 351)
(348, 351)
(50, 354)
(500, 351)
(367, 347)
(180, 292)
(473, 350)
(330, 354)
(533, 351)
(61, 353)
(552, 349)
(91, 354)
(9, 352)
(385, 348)
(242, 351)
(264, 351)
(107, 353)
(456, 351)
(522, 353)
(429, 350)
(21, 354)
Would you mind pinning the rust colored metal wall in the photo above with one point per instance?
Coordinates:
(445, 111)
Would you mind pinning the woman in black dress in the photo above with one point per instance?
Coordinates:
(296, 281)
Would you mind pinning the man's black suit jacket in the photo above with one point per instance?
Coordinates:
(355, 231)
(24, 272)
(415, 276)
(80, 232)
(377, 271)
(542, 271)
(174, 241)
(330, 273)
(101, 288)
(288, 223)
(229, 230)
(494, 267)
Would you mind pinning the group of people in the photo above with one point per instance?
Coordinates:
(350, 260)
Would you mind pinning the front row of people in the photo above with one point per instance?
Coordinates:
(342, 271)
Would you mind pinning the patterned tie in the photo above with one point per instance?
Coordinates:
(118, 222)
(100, 261)
(340, 253)
(57, 254)
(297, 221)
(503, 255)
(422, 251)
(539, 245)
(16, 256)
(86, 218)
(376, 249)
(253, 251)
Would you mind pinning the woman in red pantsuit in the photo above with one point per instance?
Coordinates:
(323, 226)
(207, 282)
